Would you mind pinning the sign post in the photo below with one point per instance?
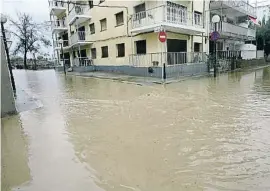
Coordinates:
(162, 36)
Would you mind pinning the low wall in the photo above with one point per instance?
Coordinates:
(260, 54)
(186, 69)
(251, 63)
(171, 71)
(83, 68)
(131, 70)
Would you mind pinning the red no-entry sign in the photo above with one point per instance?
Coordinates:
(162, 36)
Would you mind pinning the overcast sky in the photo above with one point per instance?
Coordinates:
(38, 9)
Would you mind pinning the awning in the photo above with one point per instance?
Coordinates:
(254, 20)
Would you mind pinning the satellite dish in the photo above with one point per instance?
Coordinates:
(78, 9)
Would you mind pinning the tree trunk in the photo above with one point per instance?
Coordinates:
(25, 60)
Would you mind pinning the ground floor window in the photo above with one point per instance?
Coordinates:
(120, 50)
(197, 47)
(93, 53)
(104, 52)
(141, 47)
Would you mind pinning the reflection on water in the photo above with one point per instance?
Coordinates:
(91, 134)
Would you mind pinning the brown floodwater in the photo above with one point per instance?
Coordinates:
(92, 134)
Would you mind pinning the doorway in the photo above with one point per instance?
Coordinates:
(177, 51)
(81, 33)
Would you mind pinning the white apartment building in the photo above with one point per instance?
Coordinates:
(126, 32)
(236, 26)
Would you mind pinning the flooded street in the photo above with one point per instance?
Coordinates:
(95, 134)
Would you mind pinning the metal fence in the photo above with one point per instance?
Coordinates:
(169, 58)
(82, 61)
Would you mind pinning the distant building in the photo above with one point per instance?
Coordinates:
(263, 11)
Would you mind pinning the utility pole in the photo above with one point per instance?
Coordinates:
(4, 20)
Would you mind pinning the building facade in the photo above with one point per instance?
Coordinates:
(237, 27)
(126, 32)
(116, 33)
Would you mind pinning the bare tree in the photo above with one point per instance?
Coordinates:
(29, 34)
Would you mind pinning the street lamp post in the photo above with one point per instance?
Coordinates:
(62, 55)
(3, 21)
(215, 21)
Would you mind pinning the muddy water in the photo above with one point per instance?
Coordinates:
(91, 134)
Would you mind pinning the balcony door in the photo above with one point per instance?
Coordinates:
(176, 13)
(81, 33)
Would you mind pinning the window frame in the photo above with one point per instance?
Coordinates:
(101, 24)
(197, 18)
(102, 53)
(92, 24)
(123, 20)
(91, 50)
(124, 50)
(137, 46)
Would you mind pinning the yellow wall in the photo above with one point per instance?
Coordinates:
(121, 34)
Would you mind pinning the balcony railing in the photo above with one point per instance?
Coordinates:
(79, 36)
(232, 30)
(166, 13)
(239, 5)
(57, 44)
(82, 61)
(58, 24)
(56, 4)
(170, 58)
(78, 10)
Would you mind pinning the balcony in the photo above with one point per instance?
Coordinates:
(228, 30)
(57, 8)
(57, 45)
(80, 38)
(233, 7)
(175, 19)
(59, 26)
(79, 14)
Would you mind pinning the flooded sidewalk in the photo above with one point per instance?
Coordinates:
(100, 134)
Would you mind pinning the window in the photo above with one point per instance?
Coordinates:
(104, 52)
(103, 24)
(140, 11)
(92, 28)
(93, 53)
(120, 50)
(176, 13)
(119, 18)
(197, 18)
(197, 47)
(91, 4)
(141, 47)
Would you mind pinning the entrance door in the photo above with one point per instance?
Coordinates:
(176, 51)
